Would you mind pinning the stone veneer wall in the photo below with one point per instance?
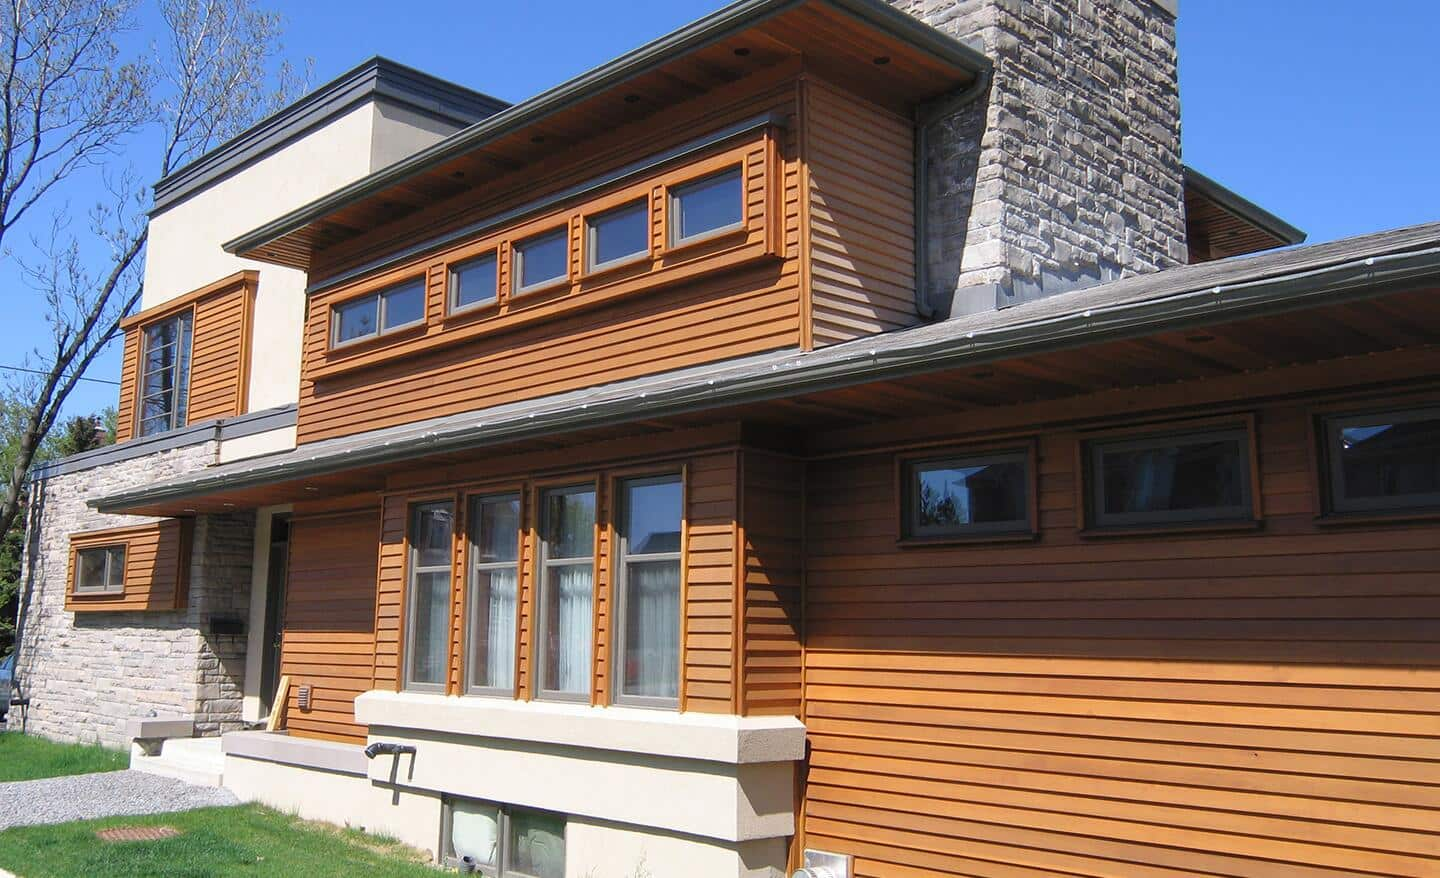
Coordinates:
(1068, 172)
(87, 673)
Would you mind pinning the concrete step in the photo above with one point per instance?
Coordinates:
(193, 760)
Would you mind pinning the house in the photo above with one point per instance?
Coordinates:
(835, 434)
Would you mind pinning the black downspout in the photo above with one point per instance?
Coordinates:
(926, 116)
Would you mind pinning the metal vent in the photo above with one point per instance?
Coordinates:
(303, 697)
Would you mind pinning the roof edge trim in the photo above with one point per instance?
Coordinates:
(1244, 208)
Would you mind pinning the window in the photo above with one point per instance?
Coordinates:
(1383, 462)
(494, 593)
(967, 496)
(1170, 479)
(100, 570)
(165, 374)
(566, 591)
(473, 283)
(618, 236)
(706, 207)
(542, 260)
(649, 590)
(504, 841)
(427, 638)
(386, 311)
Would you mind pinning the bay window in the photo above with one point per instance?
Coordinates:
(567, 592)
(428, 606)
(493, 593)
(648, 585)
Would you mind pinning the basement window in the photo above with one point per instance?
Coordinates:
(503, 841)
(398, 307)
(707, 207)
(1383, 462)
(1171, 478)
(967, 495)
(100, 570)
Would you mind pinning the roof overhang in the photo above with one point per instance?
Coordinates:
(1181, 298)
(902, 58)
(1224, 223)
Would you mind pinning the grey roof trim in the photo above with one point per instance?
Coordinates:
(732, 18)
(633, 169)
(1243, 207)
(376, 78)
(193, 434)
(1195, 295)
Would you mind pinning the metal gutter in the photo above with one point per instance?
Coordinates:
(1243, 207)
(792, 373)
(645, 165)
(735, 17)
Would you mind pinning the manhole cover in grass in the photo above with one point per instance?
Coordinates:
(137, 833)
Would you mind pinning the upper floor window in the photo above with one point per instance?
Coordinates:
(649, 591)
(967, 496)
(378, 313)
(474, 283)
(1171, 478)
(542, 260)
(567, 591)
(617, 236)
(100, 570)
(493, 593)
(1383, 462)
(706, 207)
(428, 606)
(165, 374)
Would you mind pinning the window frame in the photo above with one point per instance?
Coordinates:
(1332, 474)
(179, 414)
(107, 589)
(472, 567)
(412, 571)
(591, 240)
(674, 240)
(1093, 449)
(517, 261)
(452, 269)
(543, 563)
(621, 558)
(503, 830)
(379, 295)
(907, 467)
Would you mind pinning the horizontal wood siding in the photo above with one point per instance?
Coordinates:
(1252, 703)
(157, 567)
(329, 637)
(129, 377)
(859, 163)
(390, 593)
(711, 553)
(771, 519)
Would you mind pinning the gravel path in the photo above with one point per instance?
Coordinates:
(108, 794)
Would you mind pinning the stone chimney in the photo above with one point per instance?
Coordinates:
(1066, 171)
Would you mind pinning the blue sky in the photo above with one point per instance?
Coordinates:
(1323, 111)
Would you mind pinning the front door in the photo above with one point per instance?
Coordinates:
(279, 566)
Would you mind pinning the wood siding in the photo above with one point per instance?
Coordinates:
(329, 640)
(1260, 702)
(157, 567)
(223, 318)
(859, 170)
(771, 522)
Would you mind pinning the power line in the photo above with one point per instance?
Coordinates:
(38, 372)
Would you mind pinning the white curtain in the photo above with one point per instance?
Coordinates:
(574, 621)
(654, 635)
(500, 635)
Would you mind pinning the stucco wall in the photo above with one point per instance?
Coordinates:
(87, 673)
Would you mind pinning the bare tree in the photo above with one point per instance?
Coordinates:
(69, 103)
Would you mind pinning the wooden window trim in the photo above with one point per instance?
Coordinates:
(538, 566)
(758, 238)
(1026, 446)
(566, 232)
(127, 537)
(378, 294)
(453, 308)
(673, 241)
(590, 268)
(138, 414)
(407, 630)
(1086, 484)
(467, 666)
(105, 589)
(1334, 509)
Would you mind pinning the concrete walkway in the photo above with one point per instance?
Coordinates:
(107, 794)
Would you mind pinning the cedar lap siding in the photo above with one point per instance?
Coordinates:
(157, 568)
(220, 351)
(825, 255)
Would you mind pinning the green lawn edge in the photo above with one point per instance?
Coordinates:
(28, 757)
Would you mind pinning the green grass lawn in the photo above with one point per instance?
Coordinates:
(247, 840)
(26, 757)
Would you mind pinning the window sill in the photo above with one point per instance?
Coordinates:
(1157, 530)
(1360, 519)
(972, 540)
(371, 342)
(723, 738)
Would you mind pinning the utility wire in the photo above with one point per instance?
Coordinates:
(38, 372)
